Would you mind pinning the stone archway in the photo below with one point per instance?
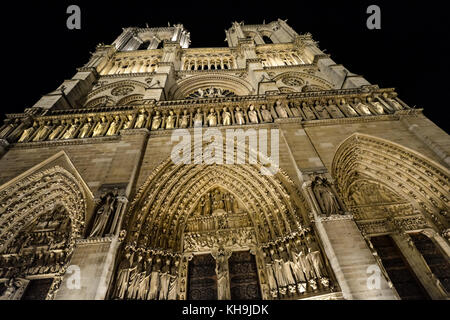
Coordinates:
(248, 212)
(42, 214)
(394, 193)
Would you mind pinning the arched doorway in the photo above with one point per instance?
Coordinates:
(41, 216)
(395, 194)
(223, 231)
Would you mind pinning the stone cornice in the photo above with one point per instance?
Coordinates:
(45, 144)
(82, 241)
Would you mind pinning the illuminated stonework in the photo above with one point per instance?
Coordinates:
(90, 196)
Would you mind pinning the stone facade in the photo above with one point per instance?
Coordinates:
(92, 205)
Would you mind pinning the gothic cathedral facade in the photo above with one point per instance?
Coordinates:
(93, 204)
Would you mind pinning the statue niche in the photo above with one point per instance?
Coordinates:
(326, 197)
(105, 215)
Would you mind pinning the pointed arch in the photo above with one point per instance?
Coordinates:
(420, 181)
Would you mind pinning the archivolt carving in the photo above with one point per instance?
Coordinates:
(224, 81)
(131, 99)
(299, 78)
(116, 85)
(417, 180)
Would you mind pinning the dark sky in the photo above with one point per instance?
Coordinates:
(408, 53)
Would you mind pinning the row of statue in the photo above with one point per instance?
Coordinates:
(109, 125)
(147, 276)
(295, 267)
(216, 200)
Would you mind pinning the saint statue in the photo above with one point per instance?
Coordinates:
(308, 112)
(198, 118)
(114, 127)
(323, 113)
(239, 115)
(267, 117)
(270, 275)
(223, 282)
(154, 280)
(252, 114)
(164, 280)
(100, 127)
(43, 131)
(84, 131)
(128, 122)
(27, 133)
(295, 111)
(102, 216)
(170, 120)
(376, 105)
(394, 103)
(211, 118)
(184, 119)
(348, 109)
(362, 108)
(140, 121)
(325, 196)
(70, 133)
(123, 277)
(226, 117)
(8, 128)
(334, 110)
(156, 122)
(315, 258)
(55, 133)
(281, 111)
(173, 281)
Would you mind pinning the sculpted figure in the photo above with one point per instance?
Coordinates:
(114, 127)
(281, 111)
(326, 198)
(122, 277)
(170, 120)
(252, 114)
(70, 133)
(164, 279)
(8, 128)
(323, 113)
(154, 280)
(102, 217)
(223, 283)
(287, 270)
(55, 133)
(394, 103)
(100, 127)
(135, 274)
(11, 287)
(376, 105)
(207, 207)
(297, 269)
(198, 118)
(84, 131)
(27, 133)
(295, 111)
(140, 120)
(348, 109)
(173, 281)
(212, 120)
(239, 116)
(226, 117)
(362, 108)
(156, 122)
(184, 119)
(43, 131)
(279, 272)
(308, 112)
(334, 110)
(315, 258)
(270, 275)
(267, 117)
(128, 123)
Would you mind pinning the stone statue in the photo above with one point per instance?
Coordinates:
(207, 207)
(11, 288)
(270, 275)
(136, 270)
(70, 133)
(184, 119)
(295, 111)
(325, 196)
(123, 276)
(281, 111)
(43, 131)
(223, 282)
(164, 280)
(252, 114)
(308, 112)
(287, 270)
(173, 282)
(297, 269)
(334, 110)
(102, 216)
(278, 267)
(198, 118)
(100, 127)
(211, 118)
(362, 108)
(315, 258)
(114, 127)
(394, 103)
(170, 120)
(55, 133)
(376, 105)
(156, 121)
(140, 120)
(27, 133)
(323, 113)
(8, 128)
(226, 117)
(154, 280)
(84, 131)
(267, 117)
(348, 109)
(239, 116)
(128, 122)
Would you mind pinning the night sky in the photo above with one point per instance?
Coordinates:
(408, 53)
